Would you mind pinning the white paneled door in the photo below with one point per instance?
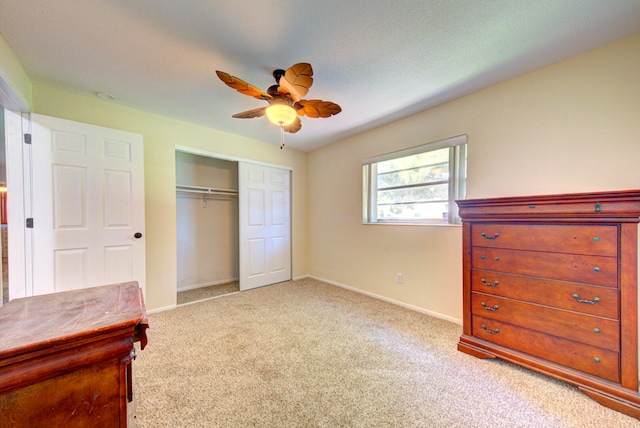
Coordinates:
(88, 206)
(265, 225)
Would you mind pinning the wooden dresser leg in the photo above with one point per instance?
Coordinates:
(616, 403)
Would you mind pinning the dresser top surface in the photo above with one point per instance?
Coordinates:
(33, 323)
(624, 204)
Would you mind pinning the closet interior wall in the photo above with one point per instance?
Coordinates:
(207, 224)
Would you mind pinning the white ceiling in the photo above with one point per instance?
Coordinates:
(380, 60)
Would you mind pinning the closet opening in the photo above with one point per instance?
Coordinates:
(207, 227)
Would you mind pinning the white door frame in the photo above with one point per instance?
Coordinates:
(20, 185)
(16, 124)
(19, 207)
(223, 156)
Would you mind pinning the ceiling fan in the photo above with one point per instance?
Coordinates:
(284, 98)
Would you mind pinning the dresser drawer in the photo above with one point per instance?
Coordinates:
(597, 270)
(588, 299)
(593, 240)
(591, 330)
(586, 358)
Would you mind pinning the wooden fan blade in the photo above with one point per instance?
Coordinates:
(318, 108)
(296, 81)
(242, 86)
(249, 114)
(294, 127)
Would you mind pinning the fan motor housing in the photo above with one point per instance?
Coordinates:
(273, 90)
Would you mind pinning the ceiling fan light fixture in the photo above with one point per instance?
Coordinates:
(285, 98)
(281, 114)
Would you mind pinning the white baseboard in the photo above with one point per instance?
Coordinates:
(386, 299)
(162, 309)
(205, 284)
(337, 284)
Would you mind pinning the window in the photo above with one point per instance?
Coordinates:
(416, 185)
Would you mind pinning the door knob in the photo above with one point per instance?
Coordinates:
(137, 235)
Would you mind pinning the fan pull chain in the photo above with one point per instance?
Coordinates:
(281, 137)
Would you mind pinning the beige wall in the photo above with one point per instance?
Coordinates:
(571, 127)
(14, 82)
(161, 135)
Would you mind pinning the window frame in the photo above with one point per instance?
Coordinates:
(456, 182)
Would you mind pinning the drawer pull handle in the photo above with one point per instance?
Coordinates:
(596, 269)
(596, 359)
(532, 206)
(596, 238)
(597, 330)
(483, 257)
(591, 302)
(497, 258)
(497, 330)
(489, 308)
(598, 207)
(489, 284)
(485, 236)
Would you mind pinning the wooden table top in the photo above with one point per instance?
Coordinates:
(35, 323)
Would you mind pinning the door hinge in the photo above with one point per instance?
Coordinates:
(27, 138)
(30, 223)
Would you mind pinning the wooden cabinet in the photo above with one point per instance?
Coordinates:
(65, 358)
(550, 283)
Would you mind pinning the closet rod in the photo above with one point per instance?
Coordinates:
(205, 190)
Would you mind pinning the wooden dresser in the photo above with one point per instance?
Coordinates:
(65, 358)
(550, 283)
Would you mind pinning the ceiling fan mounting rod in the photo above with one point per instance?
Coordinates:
(277, 74)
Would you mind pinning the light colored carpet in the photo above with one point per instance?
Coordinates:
(203, 293)
(308, 354)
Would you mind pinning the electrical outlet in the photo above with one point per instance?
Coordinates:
(399, 278)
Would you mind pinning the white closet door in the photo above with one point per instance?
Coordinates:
(88, 206)
(265, 225)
